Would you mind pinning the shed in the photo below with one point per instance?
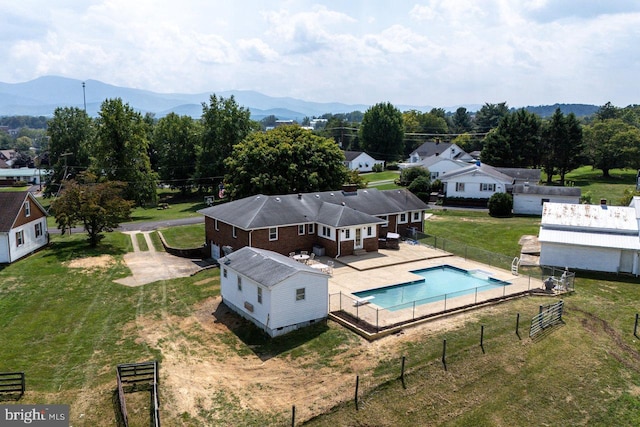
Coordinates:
(275, 292)
(528, 199)
(23, 225)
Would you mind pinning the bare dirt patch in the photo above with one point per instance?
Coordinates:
(92, 263)
(203, 359)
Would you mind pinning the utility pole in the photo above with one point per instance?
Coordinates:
(84, 97)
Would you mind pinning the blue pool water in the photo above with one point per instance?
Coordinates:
(435, 283)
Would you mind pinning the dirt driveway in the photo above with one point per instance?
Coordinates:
(150, 266)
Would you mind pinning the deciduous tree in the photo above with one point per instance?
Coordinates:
(381, 132)
(285, 160)
(98, 206)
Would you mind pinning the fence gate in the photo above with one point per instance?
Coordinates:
(12, 383)
(549, 315)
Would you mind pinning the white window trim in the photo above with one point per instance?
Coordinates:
(400, 220)
(234, 233)
(274, 238)
(301, 296)
(300, 229)
(259, 295)
(19, 238)
(27, 209)
(415, 216)
(311, 228)
(369, 231)
(38, 229)
(460, 187)
(215, 225)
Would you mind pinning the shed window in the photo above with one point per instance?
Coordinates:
(38, 229)
(224, 273)
(240, 283)
(300, 294)
(259, 295)
(27, 209)
(20, 238)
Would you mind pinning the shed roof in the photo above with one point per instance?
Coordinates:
(600, 240)
(10, 205)
(265, 267)
(589, 217)
(547, 190)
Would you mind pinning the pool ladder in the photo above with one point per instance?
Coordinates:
(514, 266)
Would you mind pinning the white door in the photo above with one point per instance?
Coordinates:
(358, 243)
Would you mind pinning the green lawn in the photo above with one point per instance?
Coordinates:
(186, 236)
(591, 182)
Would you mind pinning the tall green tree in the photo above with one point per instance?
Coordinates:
(489, 115)
(562, 145)
(176, 140)
(609, 144)
(381, 132)
(225, 124)
(515, 142)
(122, 151)
(285, 160)
(98, 206)
(461, 121)
(71, 134)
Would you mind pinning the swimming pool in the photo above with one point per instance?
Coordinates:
(437, 283)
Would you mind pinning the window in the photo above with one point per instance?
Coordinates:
(487, 187)
(38, 229)
(20, 238)
(385, 219)
(240, 283)
(311, 229)
(460, 186)
(301, 229)
(416, 216)
(300, 294)
(347, 234)
(326, 231)
(27, 209)
(224, 273)
(215, 225)
(369, 231)
(233, 232)
(273, 233)
(259, 295)
(403, 218)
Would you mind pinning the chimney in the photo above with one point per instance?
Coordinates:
(350, 188)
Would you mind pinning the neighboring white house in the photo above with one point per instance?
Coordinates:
(445, 150)
(529, 199)
(360, 161)
(23, 225)
(275, 292)
(476, 181)
(591, 237)
(30, 175)
(437, 166)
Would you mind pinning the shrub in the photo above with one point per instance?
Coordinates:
(377, 167)
(408, 175)
(500, 205)
(437, 185)
(393, 166)
(420, 185)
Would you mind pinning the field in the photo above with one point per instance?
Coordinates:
(66, 324)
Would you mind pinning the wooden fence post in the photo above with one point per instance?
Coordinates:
(402, 373)
(444, 354)
(517, 326)
(482, 338)
(293, 416)
(356, 394)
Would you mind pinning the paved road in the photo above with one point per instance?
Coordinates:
(144, 226)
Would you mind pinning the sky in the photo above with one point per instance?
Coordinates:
(440, 53)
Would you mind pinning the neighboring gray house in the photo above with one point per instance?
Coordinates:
(445, 150)
(360, 161)
(591, 237)
(275, 292)
(529, 199)
(522, 175)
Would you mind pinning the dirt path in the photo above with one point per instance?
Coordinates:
(201, 363)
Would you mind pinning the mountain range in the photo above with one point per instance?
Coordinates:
(41, 96)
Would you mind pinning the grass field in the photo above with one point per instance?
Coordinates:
(68, 327)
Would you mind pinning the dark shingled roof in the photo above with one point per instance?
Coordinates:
(546, 190)
(265, 267)
(332, 208)
(10, 205)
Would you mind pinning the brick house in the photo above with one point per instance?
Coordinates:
(23, 225)
(337, 223)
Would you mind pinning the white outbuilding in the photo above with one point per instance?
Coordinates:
(275, 292)
(529, 199)
(590, 237)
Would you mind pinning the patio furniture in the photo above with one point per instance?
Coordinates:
(301, 257)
